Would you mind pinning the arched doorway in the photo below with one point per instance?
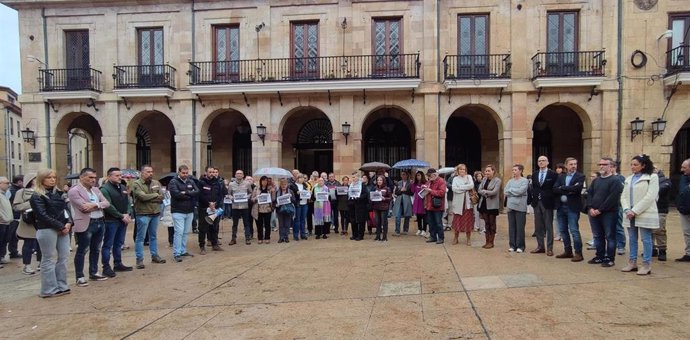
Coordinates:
(562, 122)
(388, 137)
(472, 138)
(681, 152)
(228, 143)
(308, 146)
(78, 144)
(151, 140)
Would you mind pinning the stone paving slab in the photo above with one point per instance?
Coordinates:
(339, 289)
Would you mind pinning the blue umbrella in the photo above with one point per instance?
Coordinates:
(410, 163)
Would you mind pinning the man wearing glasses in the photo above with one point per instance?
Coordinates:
(543, 202)
(89, 224)
(603, 197)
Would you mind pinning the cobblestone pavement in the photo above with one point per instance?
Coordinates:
(336, 288)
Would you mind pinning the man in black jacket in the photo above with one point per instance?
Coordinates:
(659, 234)
(568, 190)
(212, 192)
(603, 197)
(182, 193)
(543, 181)
(117, 217)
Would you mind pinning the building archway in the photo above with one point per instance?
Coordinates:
(388, 137)
(151, 140)
(308, 141)
(563, 122)
(227, 144)
(78, 144)
(472, 138)
(681, 152)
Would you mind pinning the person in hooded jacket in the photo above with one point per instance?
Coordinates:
(25, 230)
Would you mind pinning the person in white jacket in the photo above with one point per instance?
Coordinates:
(461, 206)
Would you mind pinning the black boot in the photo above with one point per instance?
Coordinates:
(662, 255)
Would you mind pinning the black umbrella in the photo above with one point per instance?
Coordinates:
(72, 176)
(165, 179)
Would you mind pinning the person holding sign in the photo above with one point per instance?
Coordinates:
(341, 195)
(358, 204)
(298, 230)
(380, 204)
(322, 209)
(402, 207)
(240, 190)
(263, 197)
(285, 210)
(418, 203)
(332, 184)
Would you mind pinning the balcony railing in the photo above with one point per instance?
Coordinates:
(144, 76)
(305, 69)
(568, 64)
(70, 79)
(477, 66)
(678, 60)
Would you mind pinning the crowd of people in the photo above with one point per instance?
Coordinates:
(35, 210)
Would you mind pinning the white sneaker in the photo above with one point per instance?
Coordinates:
(28, 270)
(426, 234)
(4, 261)
(519, 250)
(419, 232)
(81, 282)
(511, 250)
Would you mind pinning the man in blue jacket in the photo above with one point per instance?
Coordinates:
(568, 190)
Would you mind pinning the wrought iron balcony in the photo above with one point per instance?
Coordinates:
(70, 79)
(678, 60)
(144, 76)
(397, 66)
(476, 66)
(568, 64)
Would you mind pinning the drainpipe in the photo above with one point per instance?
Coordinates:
(438, 79)
(194, 146)
(7, 142)
(46, 107)
(619, 77)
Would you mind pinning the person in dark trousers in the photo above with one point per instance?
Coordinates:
(603, 197)
(568, 190)
(659, 235)
(543, 180)
(117, 217)
(359, 207)
(332, 183)
(341, 205)
(11, 235)
(381, 208)
(212, 191)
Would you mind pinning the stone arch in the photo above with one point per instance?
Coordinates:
(306, 155)
(573, 126)
(388, 136)
(226, 142)
(159, 130)
(472, 139)
(78, 143)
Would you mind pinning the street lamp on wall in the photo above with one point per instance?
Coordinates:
(636, 127)
(29, 136)
(346, 131)
(658, 127)
(261, 132)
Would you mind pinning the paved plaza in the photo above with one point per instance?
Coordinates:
(337, 288)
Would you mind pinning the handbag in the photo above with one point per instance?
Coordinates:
(28, 216)
(287, 209)
(474, 197)
(436, 202)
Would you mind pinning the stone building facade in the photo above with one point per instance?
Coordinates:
(11, 142)
(330, 84)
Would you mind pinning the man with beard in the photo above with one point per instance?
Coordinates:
(212, 192)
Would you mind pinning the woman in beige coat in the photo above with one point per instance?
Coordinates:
(638, 201)
(26, 231)
(463, 215)
(489, 197)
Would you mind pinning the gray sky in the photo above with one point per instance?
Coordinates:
(10, 74)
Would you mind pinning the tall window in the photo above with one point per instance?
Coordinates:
(11, 126)
(19, 151)
(680, 25)
(12, 150)
(226, 48)
(77, 59)
(305, 49)
(473, 44)
(143, 147)
(19, 131)
(387, 45)
(562, 41)
(151, 56)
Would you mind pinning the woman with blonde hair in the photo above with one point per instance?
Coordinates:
(53, 225)
(461, 205)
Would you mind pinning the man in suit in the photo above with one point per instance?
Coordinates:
(543, 181)
(88, 204)
(568, 190)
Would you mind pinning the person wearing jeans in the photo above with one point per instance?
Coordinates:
(568, 192)
(183, 192)
(148, 195)
(88, 204)
(117, 217)
(641, 214)
(298, 229)
(603, 200)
